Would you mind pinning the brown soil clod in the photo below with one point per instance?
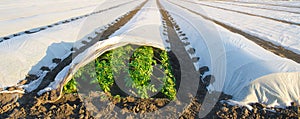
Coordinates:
(56, 60)
(44, 68)
(195, 59)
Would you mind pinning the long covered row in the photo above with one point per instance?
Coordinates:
(238, 63)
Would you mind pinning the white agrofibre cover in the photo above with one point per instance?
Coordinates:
(274, 89)
(242, 63)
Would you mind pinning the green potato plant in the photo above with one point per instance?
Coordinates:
(138, 63)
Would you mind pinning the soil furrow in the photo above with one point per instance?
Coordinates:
(283, 21)
(178, 48)
(278, 50)
(36, 30)
(236, 4)
(194, 105)
(30, 100)
(189, 73)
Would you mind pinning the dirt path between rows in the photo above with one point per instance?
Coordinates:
(278, 50)
(190, 77)
(55, 104)
(283, 21)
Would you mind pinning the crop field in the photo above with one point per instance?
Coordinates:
(149, 59)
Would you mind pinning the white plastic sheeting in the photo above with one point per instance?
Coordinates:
(18, 15)
(245, 62)
(280, 34)
(275, 89)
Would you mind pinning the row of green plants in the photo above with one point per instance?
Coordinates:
(138, 63)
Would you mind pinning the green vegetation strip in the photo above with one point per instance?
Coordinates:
(139, 65)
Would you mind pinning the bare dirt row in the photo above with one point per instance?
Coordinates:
(195, 103)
